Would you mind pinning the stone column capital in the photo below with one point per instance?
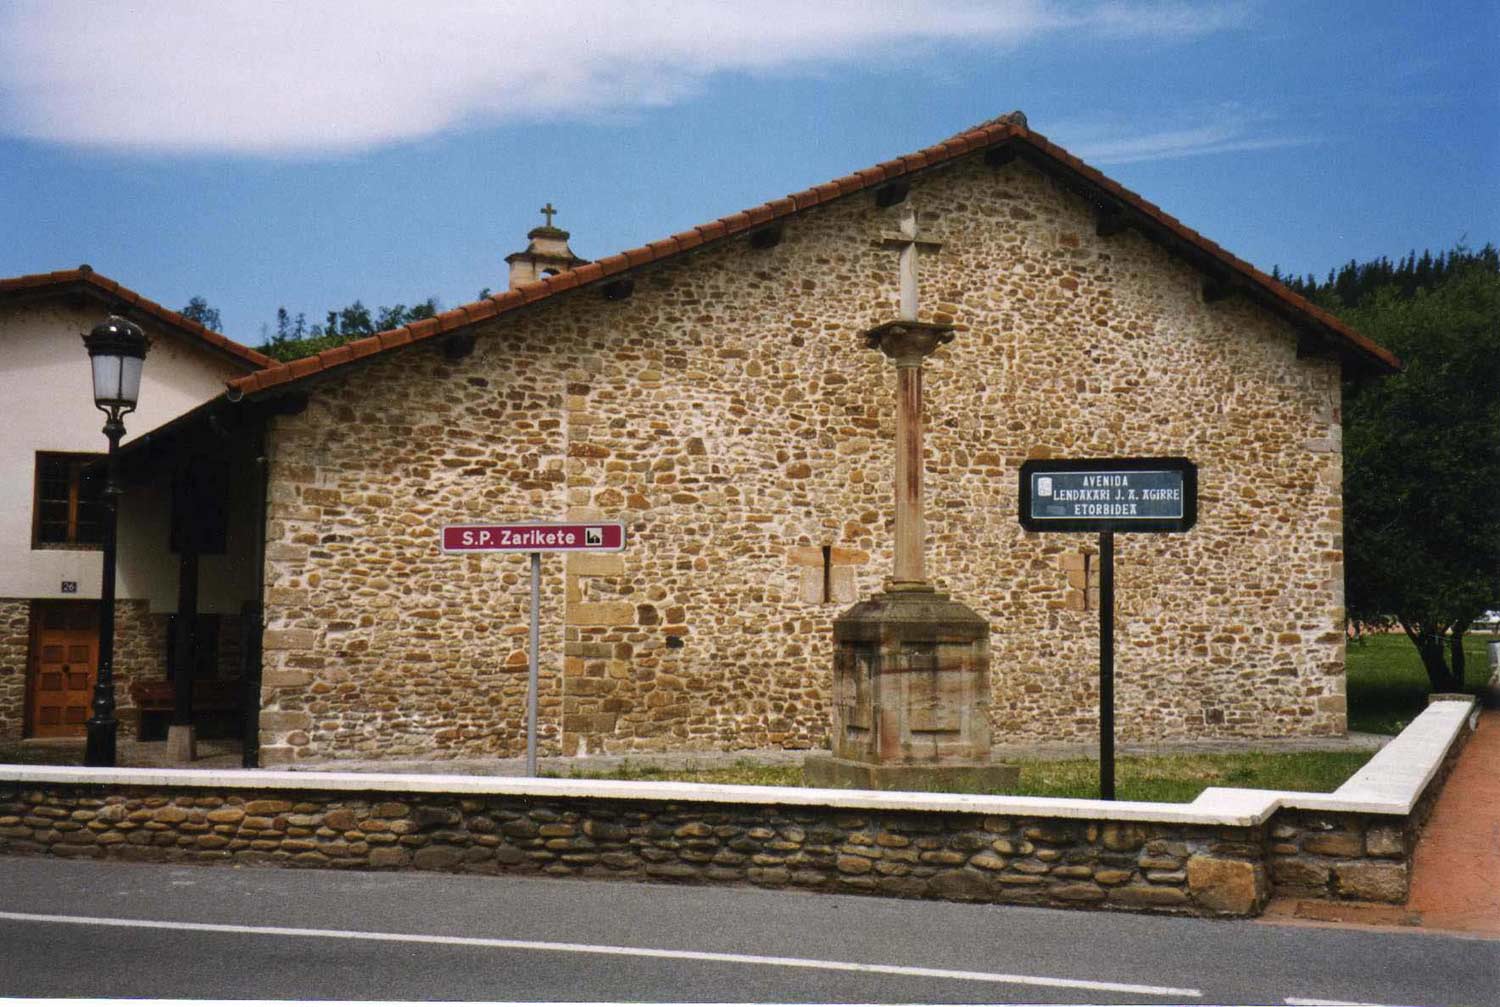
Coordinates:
(908, 342)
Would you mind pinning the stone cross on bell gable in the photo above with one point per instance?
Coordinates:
(548, 211)
(910, 244)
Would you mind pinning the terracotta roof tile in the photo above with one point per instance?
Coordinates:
(614, 263)
(684, 239)
(592, 271)
(735, 222)
(362, 348)
(713, 230)
(86, 279)
(392, 338)
(556, 284)
(337, 355)
(638, 257)
(1005, 128)
(455, 318)
(913, 162)
(302, 368)
(845, 184)
(817, 194)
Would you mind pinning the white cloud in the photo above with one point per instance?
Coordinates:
(307, 78)
(1220, 131)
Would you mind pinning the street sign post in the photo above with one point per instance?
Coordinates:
(1107, 495)
(534, 538)
(596, 536)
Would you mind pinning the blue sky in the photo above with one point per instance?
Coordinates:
(307, 155)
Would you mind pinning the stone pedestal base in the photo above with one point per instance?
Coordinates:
(911, 698)
(182, 743)
(960, 778)
(911, 681)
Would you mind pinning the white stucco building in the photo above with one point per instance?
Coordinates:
(50, 509)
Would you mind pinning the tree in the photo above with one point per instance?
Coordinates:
(1422, 455)
(293, 338)
(197, 310)
(1355, 282)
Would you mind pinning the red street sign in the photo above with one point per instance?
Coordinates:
(598, 536)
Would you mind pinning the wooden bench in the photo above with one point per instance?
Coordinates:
(208, 695)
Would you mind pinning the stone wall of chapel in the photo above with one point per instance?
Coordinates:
(731, 415)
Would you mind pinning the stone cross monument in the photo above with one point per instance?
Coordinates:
(911, 689)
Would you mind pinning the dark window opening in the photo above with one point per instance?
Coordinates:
(827, 573)
(69, 507)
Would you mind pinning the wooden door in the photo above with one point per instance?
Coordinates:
(64, 661)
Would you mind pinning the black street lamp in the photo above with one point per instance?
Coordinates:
(117, 349)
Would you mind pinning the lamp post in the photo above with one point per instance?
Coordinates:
(117, 349)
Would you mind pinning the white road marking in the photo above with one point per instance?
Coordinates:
(610, 949)
(1309, 1002)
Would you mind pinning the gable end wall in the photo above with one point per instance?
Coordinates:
(730, 414)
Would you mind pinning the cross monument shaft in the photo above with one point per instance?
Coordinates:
(908, 343)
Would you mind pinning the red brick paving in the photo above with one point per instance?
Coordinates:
(1456, 869)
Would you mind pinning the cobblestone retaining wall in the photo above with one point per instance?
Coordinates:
(1194, 870)
(1354, 857)
(1365, 858)
(730, 414)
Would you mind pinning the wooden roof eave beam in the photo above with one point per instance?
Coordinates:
(766, 237)
(1217, 287)
(1110, 219)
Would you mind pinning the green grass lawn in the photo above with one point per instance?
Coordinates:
(1387, 686)
(1172, 778)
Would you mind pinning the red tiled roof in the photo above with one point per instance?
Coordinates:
(1004, 130)
(102, 286)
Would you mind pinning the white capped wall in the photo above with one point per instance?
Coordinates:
(46, 404)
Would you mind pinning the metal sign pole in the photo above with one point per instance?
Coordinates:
(1107, 665)
(1107, 495)
(533, 538)
(531, 682)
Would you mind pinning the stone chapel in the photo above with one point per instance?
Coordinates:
(714, 391)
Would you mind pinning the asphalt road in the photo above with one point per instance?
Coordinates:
(86, 929)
